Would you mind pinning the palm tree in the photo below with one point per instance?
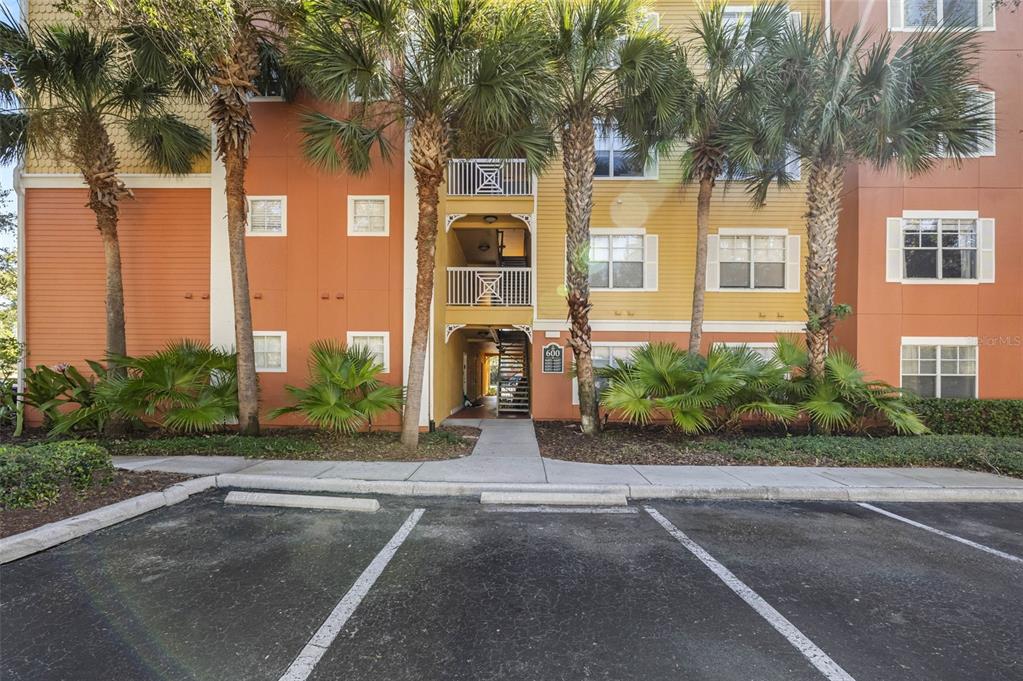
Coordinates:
(65, 90)
(847, 98)
(726, 94)
(225, 52)
(611, 69)
(454, 72)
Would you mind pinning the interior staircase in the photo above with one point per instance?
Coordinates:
(514, 261)
(512, 373)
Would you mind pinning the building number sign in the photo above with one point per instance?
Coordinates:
(553, 359)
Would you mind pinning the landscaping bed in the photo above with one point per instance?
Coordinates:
(71, 502)
(627, 444)
(301, 444)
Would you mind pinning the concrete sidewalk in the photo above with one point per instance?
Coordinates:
(507, 457)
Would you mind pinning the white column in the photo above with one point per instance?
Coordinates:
(221, 292)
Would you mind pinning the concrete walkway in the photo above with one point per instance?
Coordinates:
(507, 454)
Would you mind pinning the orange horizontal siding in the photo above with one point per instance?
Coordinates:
(165, 256)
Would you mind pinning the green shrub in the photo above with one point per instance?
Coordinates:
(344, 393)
(972, 417)
(186, 387)
(34, 475)
(719, 391)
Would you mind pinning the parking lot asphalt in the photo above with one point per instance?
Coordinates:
(757, 591)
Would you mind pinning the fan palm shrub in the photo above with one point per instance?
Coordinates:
(451, 72)
(840, 398)
(344, 393)
(839, 98)
(725, 93)
(612, 69)
(65, 89)
(697, 393)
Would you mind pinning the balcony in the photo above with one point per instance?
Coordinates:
(489, 286)
(489, 177)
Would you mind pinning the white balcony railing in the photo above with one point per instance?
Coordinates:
(489, 286)
(489, 177)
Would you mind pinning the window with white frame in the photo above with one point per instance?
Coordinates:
(914, 15)
(377, 342)
(623, 260)
(793, 169)
(614, 160)
(766, 351)
(267, 216)
(271, 348)
(605, 355)
(945, 246)
(940, 369)
(368, 215)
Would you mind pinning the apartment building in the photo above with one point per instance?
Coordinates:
(333, 256)
(932, 265)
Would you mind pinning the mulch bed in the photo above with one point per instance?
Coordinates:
(622, 443)
(449, 442)
(71, 502)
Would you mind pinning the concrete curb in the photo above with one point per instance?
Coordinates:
(50, 535)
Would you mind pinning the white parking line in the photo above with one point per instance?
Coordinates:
(942, 533)
(817, 657)
(306, 661)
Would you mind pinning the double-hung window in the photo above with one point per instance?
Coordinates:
(947, 247)
(271, 350)
(614, 160)
(616, 261)
(376, 342)
(368, 215)
(268, 216)
(605, 355)
(940, 367)
(914, 15)
(753, 259)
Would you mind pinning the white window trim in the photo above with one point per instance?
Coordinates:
(901, 28)
(386, 335)
(939, 341)
(352, 198)
(284, 215)
(283, 369)
(604, 344)
(752, 232)
(624, 231)
(937, 215)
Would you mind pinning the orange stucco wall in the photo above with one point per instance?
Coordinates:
(317, 282)
(992, 186)
(165, 254)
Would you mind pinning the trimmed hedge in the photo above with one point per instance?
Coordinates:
(1002, 418)
(977, 452)
(35, 475)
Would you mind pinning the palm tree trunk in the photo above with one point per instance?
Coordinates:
(824, 203)
(428, 157)
(96, 157)
(700, 276)
(577, 142)
(248, 382)
(231, 115)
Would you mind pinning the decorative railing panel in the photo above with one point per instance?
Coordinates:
(489, 286)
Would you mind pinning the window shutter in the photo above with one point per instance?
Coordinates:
(987, 14)
(986, 250)
(796, 19)
(652, 167)
(650, 262)
(893, 271)
(792, 258)
(713, 268)
(895, 14)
